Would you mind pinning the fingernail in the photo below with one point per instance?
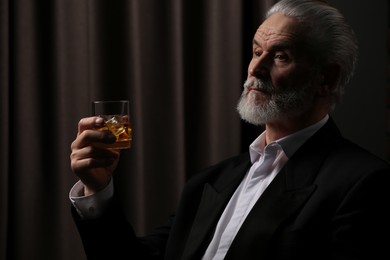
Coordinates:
(99, 121)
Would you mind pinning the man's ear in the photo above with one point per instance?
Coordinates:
(332, 75)
(330, 79)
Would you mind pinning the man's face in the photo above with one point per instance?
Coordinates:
(281, 80)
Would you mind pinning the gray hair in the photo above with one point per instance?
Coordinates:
(332, 39)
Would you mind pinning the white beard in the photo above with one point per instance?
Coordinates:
(277, 104)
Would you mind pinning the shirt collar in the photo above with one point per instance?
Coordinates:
(289, 144)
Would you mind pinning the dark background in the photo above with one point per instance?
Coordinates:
(180, 63)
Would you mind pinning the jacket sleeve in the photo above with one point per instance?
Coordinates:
(112, 237)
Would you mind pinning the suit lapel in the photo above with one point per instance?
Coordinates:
(213, 202)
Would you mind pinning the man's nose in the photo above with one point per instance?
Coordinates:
(259, 68)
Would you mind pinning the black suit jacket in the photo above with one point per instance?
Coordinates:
(328, 202)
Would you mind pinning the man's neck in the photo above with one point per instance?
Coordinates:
(284, 127)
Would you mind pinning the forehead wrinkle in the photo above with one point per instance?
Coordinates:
(274, 40)
(278, 29)
(267, 33)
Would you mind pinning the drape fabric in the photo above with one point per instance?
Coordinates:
(180, 63)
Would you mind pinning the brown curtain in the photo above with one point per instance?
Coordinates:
(180, 63)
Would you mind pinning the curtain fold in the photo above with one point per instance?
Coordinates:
(180, 63)
(4, 121)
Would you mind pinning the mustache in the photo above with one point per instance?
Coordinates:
(258, 84)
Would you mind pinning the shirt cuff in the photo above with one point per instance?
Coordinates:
(91, 206)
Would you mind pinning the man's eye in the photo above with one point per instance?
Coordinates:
(281, 57)
(256, 53)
